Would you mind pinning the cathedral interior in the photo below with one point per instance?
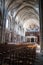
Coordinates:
(21, 32)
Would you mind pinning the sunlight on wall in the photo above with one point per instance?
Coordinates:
(7, 23)
(38, 48)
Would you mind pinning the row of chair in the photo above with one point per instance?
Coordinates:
(16, 55)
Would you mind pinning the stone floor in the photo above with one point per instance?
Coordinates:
(39, 59)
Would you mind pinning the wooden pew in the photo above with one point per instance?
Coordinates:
(18, 54)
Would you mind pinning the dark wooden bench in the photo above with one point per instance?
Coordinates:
(17, 54)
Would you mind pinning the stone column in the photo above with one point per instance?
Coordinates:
(41, 22)
(3, 21)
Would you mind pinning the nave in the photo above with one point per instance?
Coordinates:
(21, 32)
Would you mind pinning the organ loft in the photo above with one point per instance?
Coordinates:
(21, 32)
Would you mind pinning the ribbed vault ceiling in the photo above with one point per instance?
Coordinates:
(24, 12)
